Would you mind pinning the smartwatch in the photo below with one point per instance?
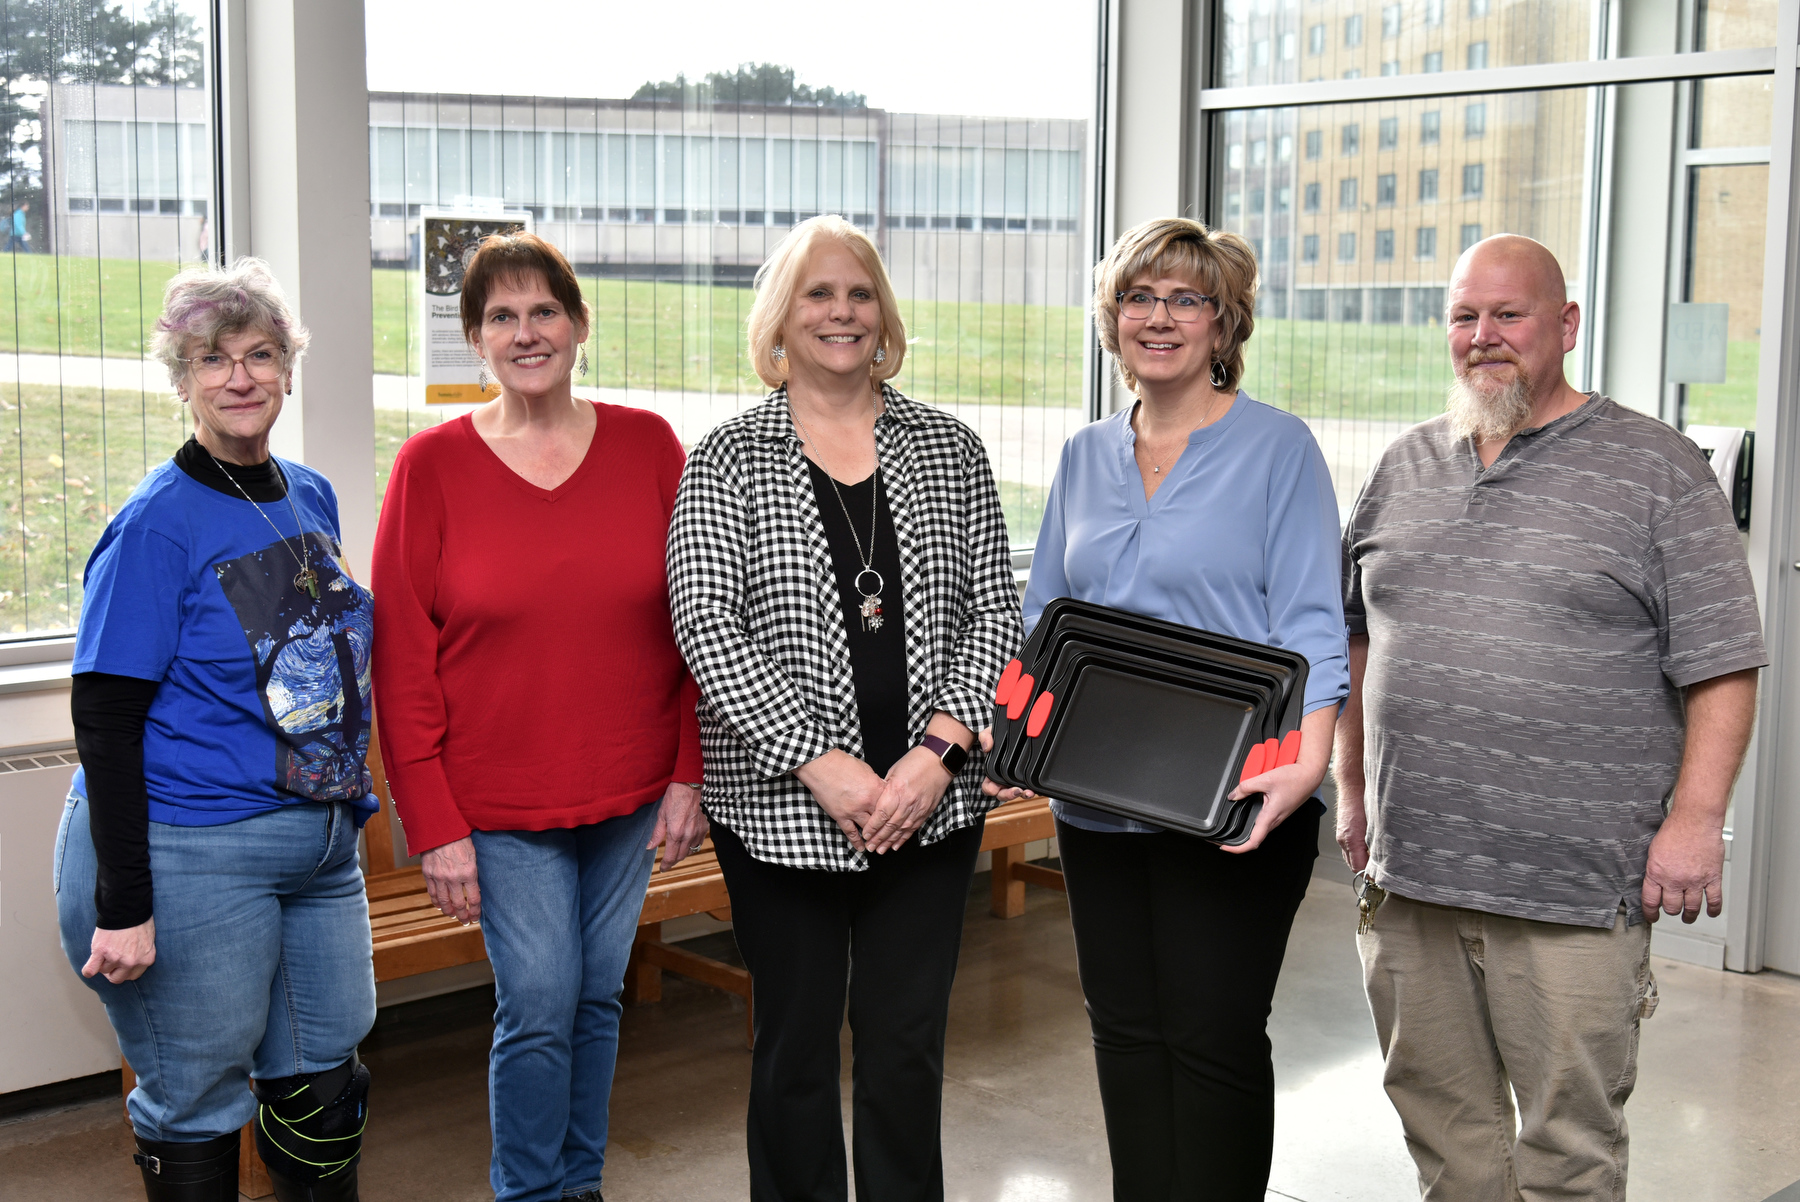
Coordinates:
(951, 755)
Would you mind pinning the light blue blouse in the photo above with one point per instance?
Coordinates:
(1242, 539)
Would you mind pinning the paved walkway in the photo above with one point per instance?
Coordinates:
(1024, 441)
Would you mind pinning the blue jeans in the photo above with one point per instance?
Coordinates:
(559, 910)
(263, 967)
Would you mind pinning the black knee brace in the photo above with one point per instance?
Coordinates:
(195, 1172)
(309, 1128)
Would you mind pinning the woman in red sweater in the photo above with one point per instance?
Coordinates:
(534, 708)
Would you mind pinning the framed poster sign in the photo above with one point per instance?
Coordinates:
(446, 239)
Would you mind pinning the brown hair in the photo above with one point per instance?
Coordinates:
(1220, 262)
(516, 258)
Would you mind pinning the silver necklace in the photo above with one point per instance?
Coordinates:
(870, 609)
(306, 580)
(1156, 469)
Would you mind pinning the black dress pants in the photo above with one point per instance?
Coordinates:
(889, 937)
(1179, 946)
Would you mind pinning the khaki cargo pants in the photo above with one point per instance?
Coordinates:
(1474, 1010)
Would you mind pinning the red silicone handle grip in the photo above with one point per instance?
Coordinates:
(1290, 749)
(1015, 704)
(1253, 763)
(1009, 680)
(1040, 714)
(1271, 750)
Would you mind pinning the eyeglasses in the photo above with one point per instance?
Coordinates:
(215, 367)
(1138, 304)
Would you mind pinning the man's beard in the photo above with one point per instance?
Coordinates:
(1492, 415)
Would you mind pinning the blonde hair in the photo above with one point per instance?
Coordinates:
(1220, 262)
(782, 275)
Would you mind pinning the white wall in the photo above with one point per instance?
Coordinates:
(56, 1027)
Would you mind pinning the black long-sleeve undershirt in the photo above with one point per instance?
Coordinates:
(110, 712)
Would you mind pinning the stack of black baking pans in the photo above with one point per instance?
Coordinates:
(1146, 719)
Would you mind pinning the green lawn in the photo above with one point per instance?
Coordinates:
(1024, 503)
(1323, 369)
(67, 464)
(68, 461)
(76, 306)
(1732, 403)
(690, 337)
(646, 335)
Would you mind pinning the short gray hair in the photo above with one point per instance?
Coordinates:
(204, 304)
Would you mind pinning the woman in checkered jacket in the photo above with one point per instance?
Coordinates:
(843, 592)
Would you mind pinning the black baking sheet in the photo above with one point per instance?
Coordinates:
(1022, 751)
(1148, 748)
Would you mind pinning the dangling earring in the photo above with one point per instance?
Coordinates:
(1218, 375)
(881, 354)
(778, 353)
(581, 363)
(482, 380)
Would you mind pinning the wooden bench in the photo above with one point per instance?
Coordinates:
(1009, 828)
(694, 886)
(411, 937)
(697, 885)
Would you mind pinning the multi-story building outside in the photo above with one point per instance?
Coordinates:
(1359, 211)
(128, 171)
(978, 209)
(985, 209)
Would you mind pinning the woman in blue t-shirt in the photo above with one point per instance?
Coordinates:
(206, 869)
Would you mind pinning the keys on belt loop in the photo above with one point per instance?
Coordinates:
(1369, 897)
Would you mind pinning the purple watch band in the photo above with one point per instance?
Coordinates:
(951, 755)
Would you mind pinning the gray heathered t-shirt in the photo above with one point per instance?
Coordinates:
(1531, 626)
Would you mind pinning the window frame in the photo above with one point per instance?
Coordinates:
(1778, 380)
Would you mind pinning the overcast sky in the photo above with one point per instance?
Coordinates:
(999, 58)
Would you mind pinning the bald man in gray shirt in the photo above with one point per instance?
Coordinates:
(1554, 645)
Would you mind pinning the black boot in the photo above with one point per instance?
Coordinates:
(202, 1172)
(339, 1187)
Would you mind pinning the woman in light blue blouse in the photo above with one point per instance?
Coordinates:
(1201, 506)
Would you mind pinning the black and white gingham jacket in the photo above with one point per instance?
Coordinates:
(761, 624)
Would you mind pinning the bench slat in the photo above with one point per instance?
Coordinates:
(410, 955)
(410, 936)
(1018, 822)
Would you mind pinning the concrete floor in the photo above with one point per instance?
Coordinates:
(1713, 1119)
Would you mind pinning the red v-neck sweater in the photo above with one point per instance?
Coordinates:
(526, 674)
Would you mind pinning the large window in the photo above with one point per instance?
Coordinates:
(1425, 36)
(668, 193)
(107, 177)
(1672, 304)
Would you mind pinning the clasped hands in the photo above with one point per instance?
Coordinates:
(876, 814)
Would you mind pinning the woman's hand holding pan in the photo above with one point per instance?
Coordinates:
(1288, 777)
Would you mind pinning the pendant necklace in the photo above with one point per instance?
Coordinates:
(305, 580)
(1155, 468)
(870, 609)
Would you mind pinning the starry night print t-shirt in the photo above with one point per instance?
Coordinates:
(265, 687)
